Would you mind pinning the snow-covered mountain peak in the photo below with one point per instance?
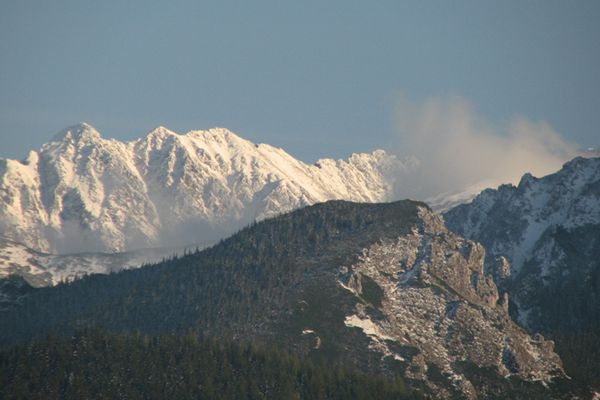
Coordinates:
(567, 198)
(220, 139)
(76, 133)
(214, 140)
(526, 180)
(160, 132)
(81, 192)
(580, 166)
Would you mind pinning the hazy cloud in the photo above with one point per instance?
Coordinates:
(457, 147)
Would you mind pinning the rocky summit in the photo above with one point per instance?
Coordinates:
(424, 300)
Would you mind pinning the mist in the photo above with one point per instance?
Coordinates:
(457, 148)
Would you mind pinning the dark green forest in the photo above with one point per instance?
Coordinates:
(94, 364)
(580, 353)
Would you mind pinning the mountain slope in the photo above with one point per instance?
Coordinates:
(83, 193)
(445, 201)
(383, 286)
(549, 230)
(42, 269)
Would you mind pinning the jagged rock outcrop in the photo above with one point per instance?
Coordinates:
(426, 302)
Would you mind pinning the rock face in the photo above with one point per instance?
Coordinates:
(83, 193)
(425, 301)
(384, 286)
(549, 230)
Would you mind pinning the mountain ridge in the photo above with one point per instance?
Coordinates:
(81, 192)
(548, 229)
(385, 286)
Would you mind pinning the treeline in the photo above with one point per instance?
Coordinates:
(95, 364)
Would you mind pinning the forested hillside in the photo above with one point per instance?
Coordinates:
(384, 288)
(264, 263)
(94, 364)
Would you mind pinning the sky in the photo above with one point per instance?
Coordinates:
(317, 78)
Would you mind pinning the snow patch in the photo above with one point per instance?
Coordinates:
(367, 325)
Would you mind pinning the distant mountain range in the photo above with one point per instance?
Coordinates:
(83, 204)
(82, 193)
(392, 288)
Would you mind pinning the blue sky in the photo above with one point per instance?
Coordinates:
(318, 78)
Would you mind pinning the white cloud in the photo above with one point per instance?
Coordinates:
(458, 148)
